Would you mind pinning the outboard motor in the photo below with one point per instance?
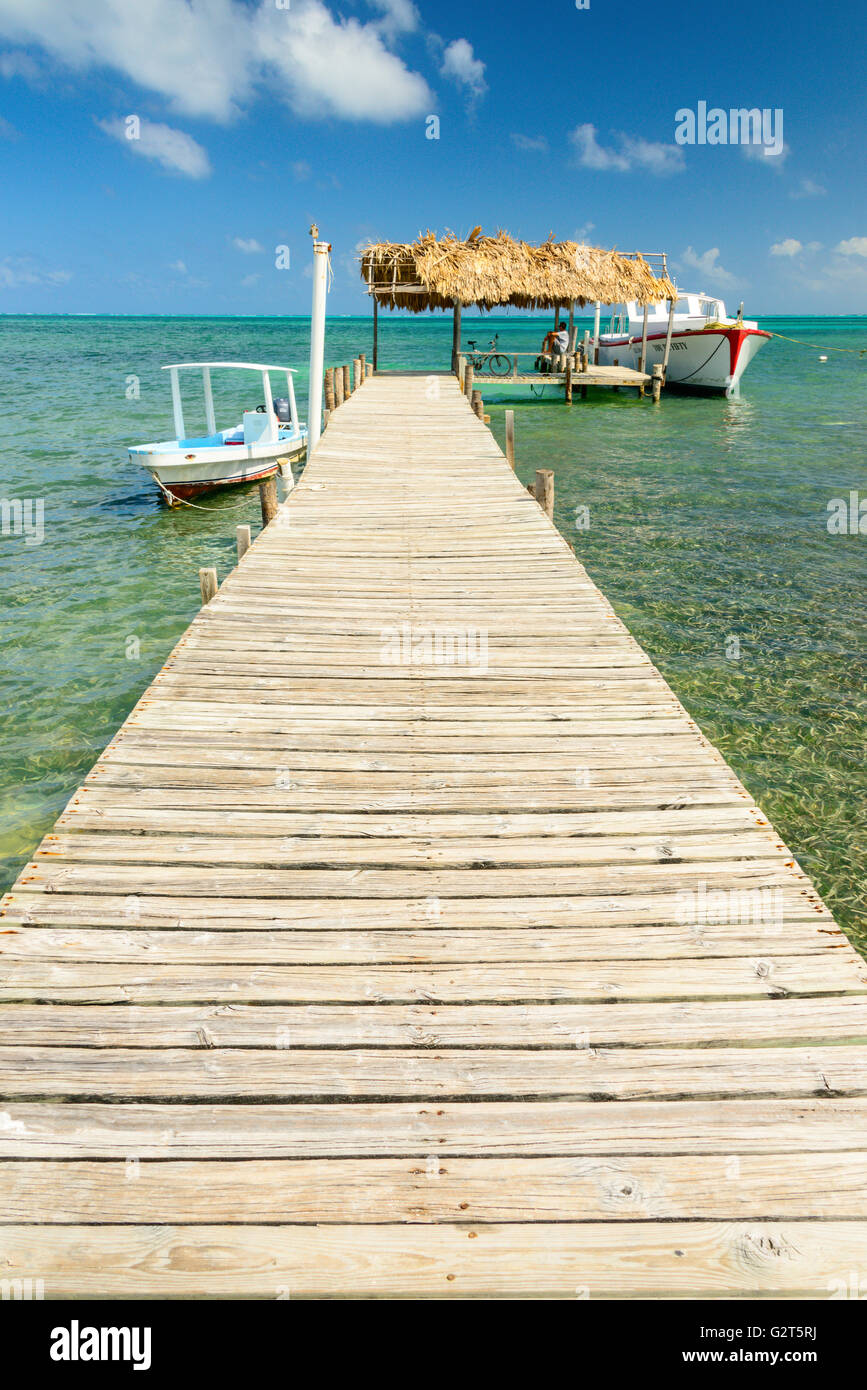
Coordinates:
(282, 411)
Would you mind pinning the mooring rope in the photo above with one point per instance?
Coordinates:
(821, 348)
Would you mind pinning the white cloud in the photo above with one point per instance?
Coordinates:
(808, 189)
(708, 265)
(632, 153)
(206, 58)
(180, 267)
(398, 16)
(530, 142)
(855, 246)
(17, 64)
(8, 130)
(16, 271)
(250, 280)
(766, 154)
(789, 247)
(301, 169)
(460, 65)
(328, 67)
(173, 149)
(249, 245)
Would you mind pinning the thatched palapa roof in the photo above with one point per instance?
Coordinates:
(433, 273)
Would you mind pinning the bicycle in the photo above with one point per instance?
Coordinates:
(497, 363)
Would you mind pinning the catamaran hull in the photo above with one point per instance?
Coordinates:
(708, 359)
(183, 476)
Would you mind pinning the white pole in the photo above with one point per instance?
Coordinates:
(293, 408)
(317, 343)
(269, 407)
(209, 401)
(596, 324)
(176, 403)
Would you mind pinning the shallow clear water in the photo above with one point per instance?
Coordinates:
(707, 523)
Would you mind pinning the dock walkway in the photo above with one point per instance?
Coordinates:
(410, 940)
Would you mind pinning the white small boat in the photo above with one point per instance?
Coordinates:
(265, 442)
(709, 352)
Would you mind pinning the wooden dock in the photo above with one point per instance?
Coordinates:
(409, 940)
(593, 376)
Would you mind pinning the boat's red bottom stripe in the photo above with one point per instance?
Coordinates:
(185, 490)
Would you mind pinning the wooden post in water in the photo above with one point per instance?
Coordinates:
(207, 584)
(569, 380)
(510, 437)
(642, 361)
(347, 381)
(468, 381)
(326, 416)
(456, 334)
(338, 386)
(363, 360)
(368, 370)
(478, 404)
(329, 389)
(243, 540)
(375, 332)
(268, 498)
(356, 373)
(544, 491)
(657, 382)
(671, 303)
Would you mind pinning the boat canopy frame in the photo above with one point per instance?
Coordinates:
(173, 368)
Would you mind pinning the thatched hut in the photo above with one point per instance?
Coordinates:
(491, 271)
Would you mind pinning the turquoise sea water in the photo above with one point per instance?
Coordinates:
(707, 524)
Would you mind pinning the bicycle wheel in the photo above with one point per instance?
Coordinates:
(499, 364)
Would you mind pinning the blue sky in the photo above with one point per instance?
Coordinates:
(256, 117)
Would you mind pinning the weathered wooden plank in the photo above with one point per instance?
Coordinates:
(528, 1259)
(722, 1023)
(578, 1072)
(437, 1189)
(478, 1127)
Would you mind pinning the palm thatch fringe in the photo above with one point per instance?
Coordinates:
(434, 273)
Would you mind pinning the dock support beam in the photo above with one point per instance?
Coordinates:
(468, 381)
(657, 382)
(243, 540)
(569, 380)
(671, 303)
(329, 389)
(456, 334)
(268, 499)
(642, 361)
(207, 584)
(544, 491)
(510, 437)
(375, 332)
(317, 343)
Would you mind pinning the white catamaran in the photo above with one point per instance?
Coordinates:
(266, 441)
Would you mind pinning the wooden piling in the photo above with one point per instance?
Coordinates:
(657, 382)
(468, 380)
(368, 370)
(356, 373)
(510, 437)
(338, 386)
(242, 540)
(347, 381)
(665, 355)
(268, 499)
(456, 334)
(544, 491)
(568, 380)
(329, 389)
(363, 360)
(375, 333)
(207, 584)
(478, 404)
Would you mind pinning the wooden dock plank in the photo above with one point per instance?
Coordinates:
(366, 966)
